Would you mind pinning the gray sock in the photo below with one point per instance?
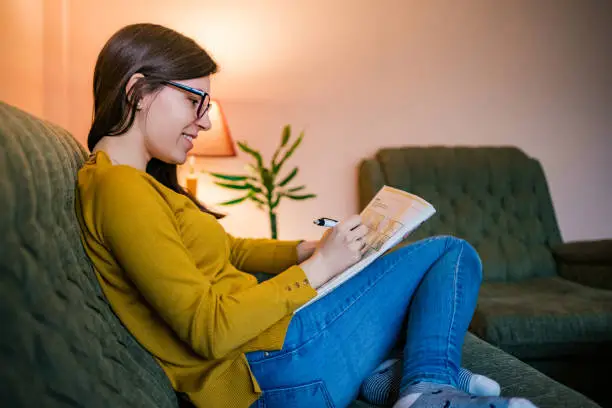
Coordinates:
(430, 395)
(382, 386)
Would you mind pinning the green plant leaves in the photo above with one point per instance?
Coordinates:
(300, 197)
(267, 179)
(289, 177)
(288, 154)
(234, 186)
(261, 186)
(286, 134)
(254, 188)
(245, 148)
(284, 139)
(256, 199)
(230, 177)
(235, 201)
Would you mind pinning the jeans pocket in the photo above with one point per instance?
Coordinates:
(308, 395)
(258, 357)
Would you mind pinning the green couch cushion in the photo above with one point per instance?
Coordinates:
(515, 377)
(544, 317)
(496, 198)
(61, 345)
(519, 379)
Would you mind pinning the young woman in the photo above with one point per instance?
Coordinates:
(183, 286)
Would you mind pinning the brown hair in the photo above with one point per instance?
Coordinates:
(159, 54)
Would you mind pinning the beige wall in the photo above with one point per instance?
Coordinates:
(33, 68)
(357, 75)
(21, 54)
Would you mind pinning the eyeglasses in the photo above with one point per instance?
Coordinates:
(204, 104)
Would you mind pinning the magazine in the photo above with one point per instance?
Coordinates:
(390, 217)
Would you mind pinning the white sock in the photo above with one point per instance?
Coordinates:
(484, 386)
(382, 386)
(407, 401)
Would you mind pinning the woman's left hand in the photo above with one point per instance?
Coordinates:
(305, 249)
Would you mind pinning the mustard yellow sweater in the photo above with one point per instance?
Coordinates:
(178, 282)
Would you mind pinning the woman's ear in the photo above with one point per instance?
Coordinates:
(130, 85)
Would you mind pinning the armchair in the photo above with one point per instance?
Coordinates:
(546, 302)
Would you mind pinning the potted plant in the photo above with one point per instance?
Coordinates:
(265, 185)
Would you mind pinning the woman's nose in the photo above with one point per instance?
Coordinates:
(204, 122)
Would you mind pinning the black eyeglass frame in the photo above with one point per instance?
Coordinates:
(204, 96)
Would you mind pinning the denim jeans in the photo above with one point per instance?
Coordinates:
(419, 297)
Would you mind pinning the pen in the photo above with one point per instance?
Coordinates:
(325, 222)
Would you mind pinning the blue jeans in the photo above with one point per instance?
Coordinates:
(420, 297)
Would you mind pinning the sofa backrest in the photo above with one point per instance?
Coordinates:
(497, 198)
(60, 343)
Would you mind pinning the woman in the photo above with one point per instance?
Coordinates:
(177, 280)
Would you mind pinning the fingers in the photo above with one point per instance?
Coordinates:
(325, 234)
(364, 247)
(354, 235)
(357, 233)
(357, 248)
(349, 224)
(352, 232)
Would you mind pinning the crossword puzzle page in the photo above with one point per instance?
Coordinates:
(390, 216)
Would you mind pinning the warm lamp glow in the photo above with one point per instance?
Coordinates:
(217, 141)
(191, 180)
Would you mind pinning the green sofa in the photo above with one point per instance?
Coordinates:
(546, 302)
(60, 343)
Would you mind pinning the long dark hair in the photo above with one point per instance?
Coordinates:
(159, 54)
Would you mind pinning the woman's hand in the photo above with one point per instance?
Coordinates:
(305, 249)
(339, 248)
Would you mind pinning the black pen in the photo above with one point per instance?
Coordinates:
(325, 222)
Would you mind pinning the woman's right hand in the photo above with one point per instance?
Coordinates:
(339, 248)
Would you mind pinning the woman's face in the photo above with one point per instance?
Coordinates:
(168, 120)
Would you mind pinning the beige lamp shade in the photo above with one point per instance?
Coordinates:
(217, 141)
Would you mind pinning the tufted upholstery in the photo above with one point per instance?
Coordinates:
(497, 198)
(60, 344)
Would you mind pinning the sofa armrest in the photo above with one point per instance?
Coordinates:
(599, 251)
(586, 262)
(370, 179)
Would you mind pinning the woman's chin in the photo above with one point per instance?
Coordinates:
(177, 158)
(181, 159)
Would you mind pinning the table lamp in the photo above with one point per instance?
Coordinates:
(215, 142)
